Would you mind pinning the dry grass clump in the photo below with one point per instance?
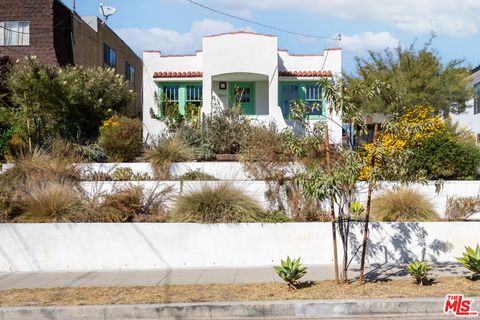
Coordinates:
(122, 205)
(48, 201)
(45, 187)
(164, 153)
(461, 208)
(217, 203)
(129, 204)
(41, 165)
(402, 205)
(35, 176)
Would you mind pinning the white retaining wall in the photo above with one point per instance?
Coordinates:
(220, 170)
(257, 189)
(61, 247)
(235, 172)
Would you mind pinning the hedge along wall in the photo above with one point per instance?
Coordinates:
(61, 247)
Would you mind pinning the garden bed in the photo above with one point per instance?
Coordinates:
(230, 292)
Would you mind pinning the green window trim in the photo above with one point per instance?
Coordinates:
(182, 93)
(302, 95)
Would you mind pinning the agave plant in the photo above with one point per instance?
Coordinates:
(356, 210)
(471, 260)
(291, 271)
(419, 271)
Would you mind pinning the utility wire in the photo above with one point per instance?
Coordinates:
(264, 25)
(44, 30)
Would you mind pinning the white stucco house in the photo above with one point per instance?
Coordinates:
(470, 119)
(268, 77)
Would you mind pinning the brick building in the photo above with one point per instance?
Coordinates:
(58, 36)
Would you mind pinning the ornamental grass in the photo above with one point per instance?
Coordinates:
(402, 205)
(216, 203)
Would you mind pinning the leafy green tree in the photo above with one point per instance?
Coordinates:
(337, 184)
(415, 77)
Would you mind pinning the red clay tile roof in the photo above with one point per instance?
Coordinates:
(305, 73)
(179, 74)
(199, 74)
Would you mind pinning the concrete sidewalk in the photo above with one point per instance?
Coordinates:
(19, 280)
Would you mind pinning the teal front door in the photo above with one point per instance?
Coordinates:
(243, 93)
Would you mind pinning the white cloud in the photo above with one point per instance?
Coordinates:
(173, 42)
(455, 17)
(365, 41)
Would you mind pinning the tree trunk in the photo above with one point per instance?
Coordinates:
(367, 213)
(332, 212)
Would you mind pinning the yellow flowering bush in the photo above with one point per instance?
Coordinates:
(113, 121)
(410, 130)
(121, 138)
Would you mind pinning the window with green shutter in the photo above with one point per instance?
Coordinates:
(308, 91)
(182, 93)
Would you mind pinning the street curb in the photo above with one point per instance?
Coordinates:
(235, 310)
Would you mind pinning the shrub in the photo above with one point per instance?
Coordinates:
(471, 260)
(123, 174)
(419, 271)
(309, 149)
(461, 208)
(165, 152)
(216, 203)
(196, 175)
(96, 176)
(79, 153)
(225, 129)
(264, 154)
(129, 204)
(8, 201)
(49, 201)
(120, 206)
(276, 217)
(195, 139)
(300, 207)
(291, 271)
(155, 207)
(404, 204)
(69, 102)
(168, 113)
(444, 157)
(121, 138)
(6, 133)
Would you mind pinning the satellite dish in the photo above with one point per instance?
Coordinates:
(106, 11)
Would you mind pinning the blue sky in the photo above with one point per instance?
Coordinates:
(177, 26)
